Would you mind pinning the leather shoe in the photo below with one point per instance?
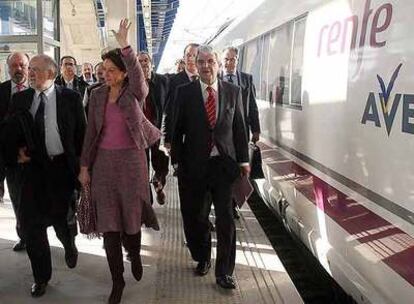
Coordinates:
(19, 246)
(226, 282)
(38, 289)
(202, 268)
(71, 256)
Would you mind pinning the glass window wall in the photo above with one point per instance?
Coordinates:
(18, 17)
(18, 29)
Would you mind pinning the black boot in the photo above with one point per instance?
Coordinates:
(112, 244)
(132, 244)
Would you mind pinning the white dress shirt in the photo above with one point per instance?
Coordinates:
(52, 137)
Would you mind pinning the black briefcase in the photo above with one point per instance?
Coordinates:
(255, 158)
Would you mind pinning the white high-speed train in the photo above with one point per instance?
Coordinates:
(335, 89)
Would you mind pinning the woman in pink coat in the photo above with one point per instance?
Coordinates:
(114, 152)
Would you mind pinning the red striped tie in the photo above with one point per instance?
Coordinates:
(211, 107)
(211, 115)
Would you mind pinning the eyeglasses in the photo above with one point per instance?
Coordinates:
(230, 60)
(209, 62)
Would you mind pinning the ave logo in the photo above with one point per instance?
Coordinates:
(389, 104)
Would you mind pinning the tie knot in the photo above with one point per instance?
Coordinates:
(210, 90)
(19, 87)
(194, 77)
(42, 97)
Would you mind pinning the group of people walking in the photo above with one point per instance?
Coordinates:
(50, 151)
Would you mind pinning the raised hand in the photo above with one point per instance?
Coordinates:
(122, 34)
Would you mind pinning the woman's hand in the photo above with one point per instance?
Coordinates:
(84, 177)
(122, 34)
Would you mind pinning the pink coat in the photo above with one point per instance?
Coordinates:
(142, 131)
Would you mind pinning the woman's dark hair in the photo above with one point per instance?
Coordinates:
(116, 58)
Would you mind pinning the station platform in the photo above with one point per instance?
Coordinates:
(168, 268)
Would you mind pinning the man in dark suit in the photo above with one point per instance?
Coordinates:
(245, 82)
(99, 71)
(153, 107)
(18, 64)
(51, 168)
(230, 74)
(210, 146)
(68, 76)
(189, 74)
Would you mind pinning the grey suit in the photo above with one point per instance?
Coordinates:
(200, 174)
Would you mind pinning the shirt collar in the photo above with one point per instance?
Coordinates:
(68, 82)
(48, 92)
(204, 85)
(228, 74)
(189, 75)
(14, 85)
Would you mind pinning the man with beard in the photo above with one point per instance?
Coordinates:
(153, 107)
(18, 64)
(99, 72)
(87, 73)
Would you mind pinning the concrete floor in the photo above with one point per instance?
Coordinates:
(168, 268)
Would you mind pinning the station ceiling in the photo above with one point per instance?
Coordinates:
(86, 26)
(155, 19)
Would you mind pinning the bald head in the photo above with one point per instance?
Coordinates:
(18, 64)
(42, 72)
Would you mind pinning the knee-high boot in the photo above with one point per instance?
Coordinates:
(112, 244)
(132, 244)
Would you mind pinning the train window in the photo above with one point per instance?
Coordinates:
(264, 90)
(252, 62)
(241, 57)
(297, 62)
(279, 63)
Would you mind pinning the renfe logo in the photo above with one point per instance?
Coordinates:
(343, 34)
(333, 38)
(388, 107)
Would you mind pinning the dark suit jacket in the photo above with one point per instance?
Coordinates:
(71, 121)
(88, 92)
(158, 93)
(79, 85)
(171, 107)
(248, 90)
(5, 94)
(190, 144)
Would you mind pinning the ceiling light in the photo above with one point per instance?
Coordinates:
(73, 8)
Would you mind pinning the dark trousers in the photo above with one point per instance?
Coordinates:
(15, 179)
(159, 162)
(47, 199)
(196, 197)
(38, 248)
